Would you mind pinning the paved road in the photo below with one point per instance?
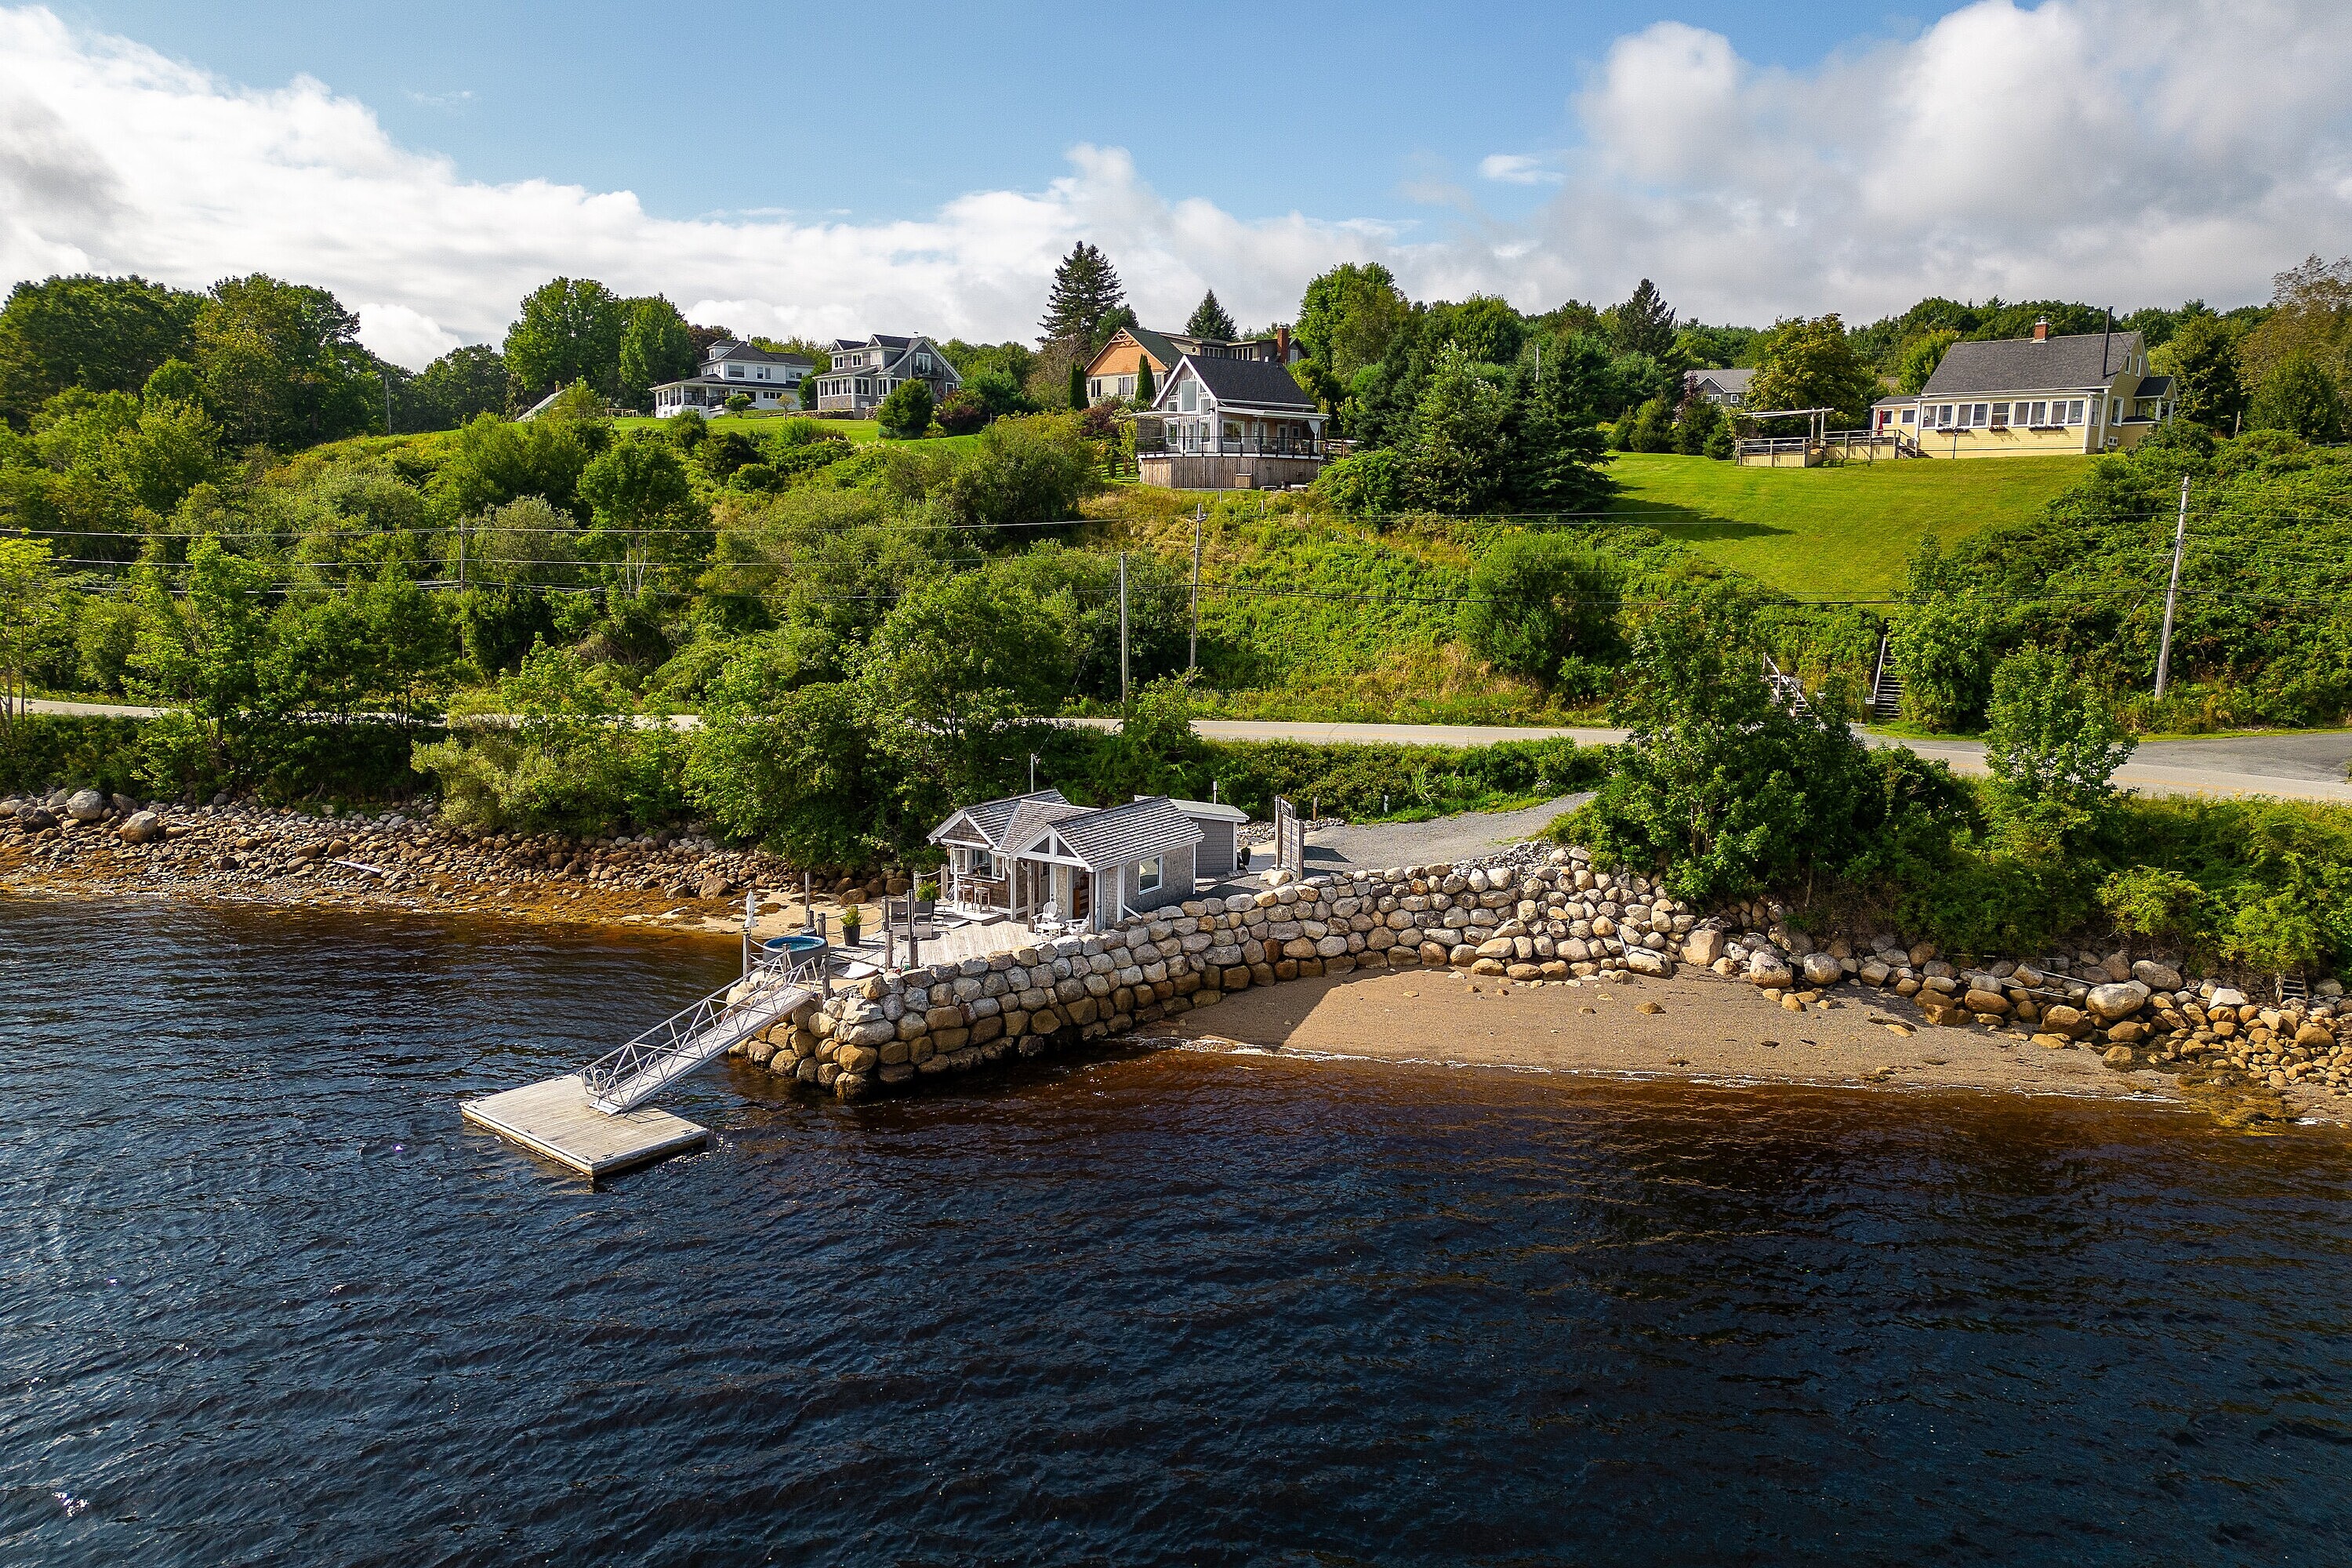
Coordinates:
(1457, 837)
(2306, 766)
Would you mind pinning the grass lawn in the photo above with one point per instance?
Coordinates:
(1832, 532)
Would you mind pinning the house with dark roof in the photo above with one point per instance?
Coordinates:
(1117, 370)
(866, 370)
(769, 379)
(1229, 423)
(1724, 388)
(2086, 391)
(1037, 856)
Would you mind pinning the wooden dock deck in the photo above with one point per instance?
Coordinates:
(553, 1119)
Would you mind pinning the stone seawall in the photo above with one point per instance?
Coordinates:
(1523, 914)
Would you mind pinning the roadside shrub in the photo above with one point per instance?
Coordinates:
(2051, 746)
(1537, 600)
(1366, 484)
(1943, 649)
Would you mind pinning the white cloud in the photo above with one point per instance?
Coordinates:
(2091, 149)
(1516, 169)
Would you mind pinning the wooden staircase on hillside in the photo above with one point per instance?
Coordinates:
(1886, 685)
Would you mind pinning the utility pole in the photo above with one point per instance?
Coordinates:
(2172, 594)
(461, 555)
(385, 376)
(1032, 773)
(1192, 647)
(1122, 625)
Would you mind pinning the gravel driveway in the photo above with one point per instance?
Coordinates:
(1457, 838)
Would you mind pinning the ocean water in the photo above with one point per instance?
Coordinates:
(264, 1298)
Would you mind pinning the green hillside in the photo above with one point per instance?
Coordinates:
(1835, 532)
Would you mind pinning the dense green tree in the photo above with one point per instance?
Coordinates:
(1920, 357)
(2309, 318)
(2299, 396)
(281, 364)
(1085, 290)
(796, 770)
(656, 346)
(998, 391)
(461, 384)
(1561, 446)
(203, 649)
(1462, 440)
(493, 461)
(175, 381)
(29, 619)
(1809, 364)
(1210, 319)
(1077, 389)
(1943, 648)
(1350, 315)
(1697, 425)
(1653, 430)
(2204, 358)
(1144, 390)
(906, 413)
(1643, 323)
(1538, 600)
(1483, 327)
(1024, 473)
(2052, 746)
(1721, 788)
(569, 329)
(644, 509)
(108, 334)
(1700, 347)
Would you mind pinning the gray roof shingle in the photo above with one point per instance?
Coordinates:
(2021, 364)
(1252, 383)
(1123, 834)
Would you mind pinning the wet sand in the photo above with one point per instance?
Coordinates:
(1704, 1029)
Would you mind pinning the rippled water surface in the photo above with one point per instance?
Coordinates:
(264, 1298)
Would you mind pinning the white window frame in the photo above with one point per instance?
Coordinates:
(1149, 874)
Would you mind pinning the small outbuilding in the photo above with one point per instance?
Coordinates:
(1020, 855)
(1220, 854)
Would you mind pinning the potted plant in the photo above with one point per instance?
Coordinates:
(853, 922)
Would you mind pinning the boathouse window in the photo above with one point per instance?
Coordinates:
(1149, 873)
(983, 864)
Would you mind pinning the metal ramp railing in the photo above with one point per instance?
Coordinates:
(702, 1033)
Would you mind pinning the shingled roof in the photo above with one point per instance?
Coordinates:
(1123, 834)
(2071, 364)
(1250, 382)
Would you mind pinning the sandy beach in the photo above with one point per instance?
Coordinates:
(1702, 1028)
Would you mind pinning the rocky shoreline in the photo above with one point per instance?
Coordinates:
(86, 844)
(1528, 917)
(1532, 920)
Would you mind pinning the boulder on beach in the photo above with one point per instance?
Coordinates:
(1645, 960)
(2116, 999)
(1821, 969)
(144, 827)
(1703, 946)
(2156, 976)
(85, 805)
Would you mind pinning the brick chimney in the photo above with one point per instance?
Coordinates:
(1282, 345)
(2041, 331)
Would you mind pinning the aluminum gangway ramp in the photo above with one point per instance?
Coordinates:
(597, 1121)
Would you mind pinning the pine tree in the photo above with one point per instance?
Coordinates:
(1208, 319)
(1085, 290)
(1645, 324)
(1144, 390)
(1077, 384)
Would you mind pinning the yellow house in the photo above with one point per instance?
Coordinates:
(2033, 396)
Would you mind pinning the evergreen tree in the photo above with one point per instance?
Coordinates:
(1557, 441)
(1085, 290)
(1208, 319)
(1077, 384)
(1144, 390)
(1645, 324)
(2205, 357)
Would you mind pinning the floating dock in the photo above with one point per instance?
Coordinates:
(555, 1118)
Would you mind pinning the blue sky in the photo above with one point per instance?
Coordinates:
(1343, 111)
(792, 169)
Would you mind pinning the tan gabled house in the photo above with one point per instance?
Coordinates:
(2041, 395)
